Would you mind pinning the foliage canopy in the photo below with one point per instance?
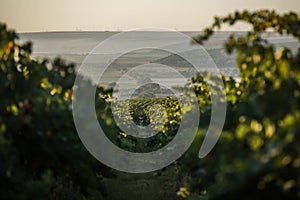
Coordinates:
(257, 157)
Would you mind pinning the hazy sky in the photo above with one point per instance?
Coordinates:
(54, 15)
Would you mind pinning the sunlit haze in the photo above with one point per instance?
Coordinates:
(93, 15)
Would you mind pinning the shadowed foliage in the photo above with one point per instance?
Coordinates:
(258, 154)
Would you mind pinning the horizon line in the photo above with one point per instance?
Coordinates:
(117, 31)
